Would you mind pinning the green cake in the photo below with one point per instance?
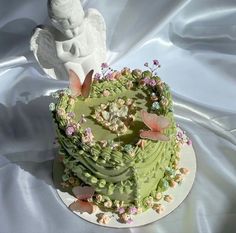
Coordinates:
(117, 135)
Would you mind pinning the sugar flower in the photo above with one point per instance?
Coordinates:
(104, 219)
(146, 80)
(104, 65)
(89, 135)
(155, 106)
(52, 106)
(152, 83)
(71, 114)
(106, 93)
(133, 210)
(70, 130)
(156, 62)
(97, 76)
(121, 210)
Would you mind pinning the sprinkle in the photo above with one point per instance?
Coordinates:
(146, 64)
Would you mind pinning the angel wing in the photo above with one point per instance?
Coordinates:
(42, 44)
(97, 22)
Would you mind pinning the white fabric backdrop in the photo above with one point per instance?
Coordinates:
(195, 41)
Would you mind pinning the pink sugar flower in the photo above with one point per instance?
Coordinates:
(156, 62)
(152, 82)
(130, 220)
(97, 76)
(70, 130)
(133, 210)
(110, 76)
(104, 65)
(121, 210)
(189, 142)
(146, 80)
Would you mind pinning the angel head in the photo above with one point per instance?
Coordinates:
(67, 16)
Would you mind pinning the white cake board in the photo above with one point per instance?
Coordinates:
(180, 192)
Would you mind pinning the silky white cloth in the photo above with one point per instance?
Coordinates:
(195, 42)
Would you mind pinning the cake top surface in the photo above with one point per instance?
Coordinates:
(112, 109)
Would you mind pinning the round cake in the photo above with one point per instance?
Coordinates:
(117, 137)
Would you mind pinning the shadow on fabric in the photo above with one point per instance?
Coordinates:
(15, 36)
(27, 136)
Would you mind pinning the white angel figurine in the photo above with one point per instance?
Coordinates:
(76, 40)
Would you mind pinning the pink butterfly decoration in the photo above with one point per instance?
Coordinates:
(83, 194)
(77, 87)
(156, 124)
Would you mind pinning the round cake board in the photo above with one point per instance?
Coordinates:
(180, 192)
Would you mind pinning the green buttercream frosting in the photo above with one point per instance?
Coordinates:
(113, 161)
